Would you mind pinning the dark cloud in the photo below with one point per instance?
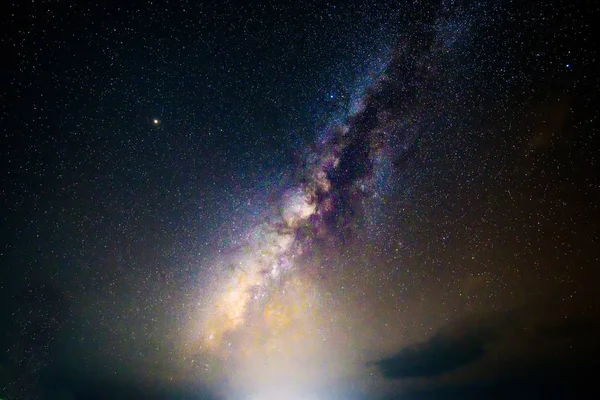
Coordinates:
(528, 352)
(434, 357)
(452, 347)
(548, 387)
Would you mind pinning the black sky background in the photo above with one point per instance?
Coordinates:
(104, 212)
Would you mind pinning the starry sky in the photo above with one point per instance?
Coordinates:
(303, 200)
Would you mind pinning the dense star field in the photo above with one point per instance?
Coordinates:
(353, 200)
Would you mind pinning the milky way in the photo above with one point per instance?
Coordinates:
(265, 299)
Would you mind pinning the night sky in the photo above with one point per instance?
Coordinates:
(299, 200)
